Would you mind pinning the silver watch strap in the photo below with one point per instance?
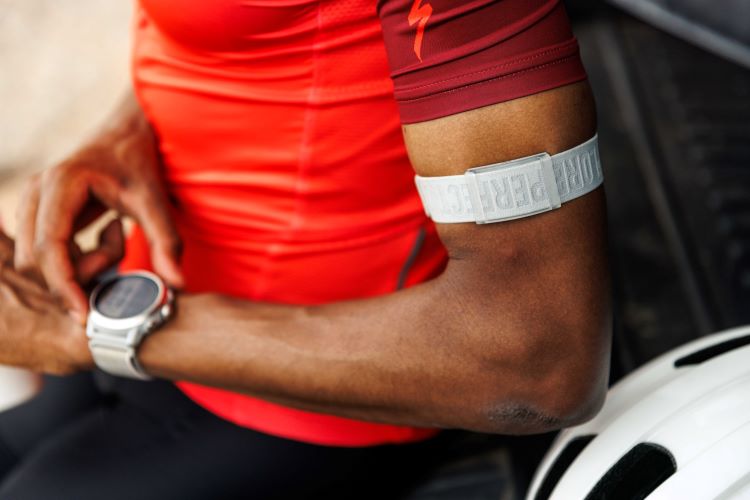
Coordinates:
(114, 342)
(513, 189)
(117, 359)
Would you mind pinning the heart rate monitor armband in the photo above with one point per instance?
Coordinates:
(513, 189)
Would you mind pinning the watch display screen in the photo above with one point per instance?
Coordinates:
(126, 297)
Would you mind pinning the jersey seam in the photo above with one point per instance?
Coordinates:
(308, 130)
(303, 162)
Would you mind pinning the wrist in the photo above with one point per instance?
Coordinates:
(74, 345)
(175, 350)
(126, 309)
(128, 134)
(126, 122)
(157, 350)
(59, 345)
(118, 145)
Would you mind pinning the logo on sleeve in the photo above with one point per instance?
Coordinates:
(419, 14)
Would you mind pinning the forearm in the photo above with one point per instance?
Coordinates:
(427, 356)
(379, 359)
(414, 357)
(507, 343)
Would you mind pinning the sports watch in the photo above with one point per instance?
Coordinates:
(124, 309)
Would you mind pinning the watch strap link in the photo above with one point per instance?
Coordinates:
(513, 189)
(120, 360)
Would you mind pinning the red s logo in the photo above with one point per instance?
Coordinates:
(419, 14)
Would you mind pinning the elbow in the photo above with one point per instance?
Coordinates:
(573, 401)
(573, 392)
(554, 386)
(541, 411)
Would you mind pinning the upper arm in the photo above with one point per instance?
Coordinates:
(495, 81)
(538, 285)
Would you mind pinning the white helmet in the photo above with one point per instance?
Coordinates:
(677, 428)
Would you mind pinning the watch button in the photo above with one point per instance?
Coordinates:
(165, 311)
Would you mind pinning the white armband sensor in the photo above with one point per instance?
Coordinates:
(512, 189)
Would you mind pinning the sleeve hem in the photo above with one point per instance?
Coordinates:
(494, 90)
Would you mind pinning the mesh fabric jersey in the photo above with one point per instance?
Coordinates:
(282, 148)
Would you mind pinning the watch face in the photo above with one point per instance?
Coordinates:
(126, 297)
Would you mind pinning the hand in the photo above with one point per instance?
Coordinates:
(120, 171)
(35, 332)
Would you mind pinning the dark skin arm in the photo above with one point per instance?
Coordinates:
(513, 337)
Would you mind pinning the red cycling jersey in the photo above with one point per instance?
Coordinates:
(282, 147)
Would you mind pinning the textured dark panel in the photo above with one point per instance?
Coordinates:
(651, 306)
(636, 475)
(699, 108)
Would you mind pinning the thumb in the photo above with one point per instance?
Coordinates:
(153, 214)
(165, 257)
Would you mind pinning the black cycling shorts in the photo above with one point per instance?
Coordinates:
(98, 437)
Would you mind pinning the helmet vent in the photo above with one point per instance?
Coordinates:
(558, 468)
(636, 474)
(707, 353)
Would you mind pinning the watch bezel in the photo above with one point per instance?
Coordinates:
(123, 325)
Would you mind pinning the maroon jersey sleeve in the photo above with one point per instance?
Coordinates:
(449, 56)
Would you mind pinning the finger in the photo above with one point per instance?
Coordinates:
(110, 251)
(6, 248)
(9, 295)
(29, 291)
(150, 209)
(21, 291)
(28, 298)
(54, 261)
(22, 283)
(26, 221)
(75, 251)
(62, 196)
(55, 264)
